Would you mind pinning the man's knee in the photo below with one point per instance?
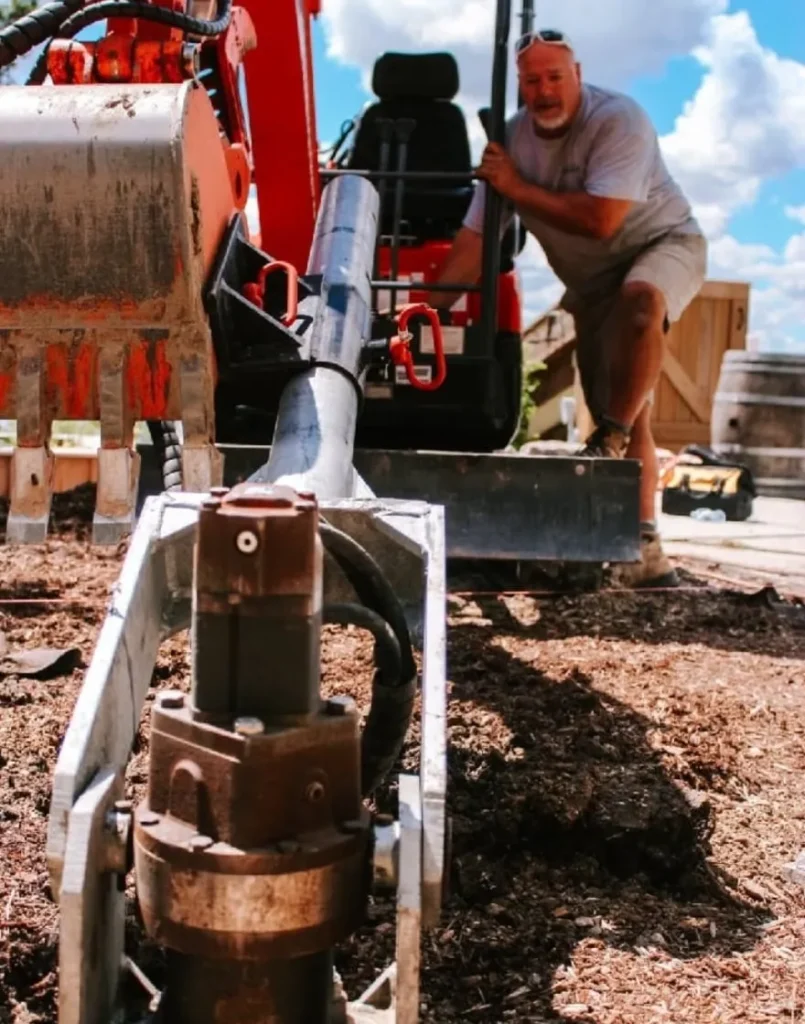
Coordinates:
(644, 305)
(642, 425)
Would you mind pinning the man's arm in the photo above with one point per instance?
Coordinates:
(462, 267)
(619, 169)
(579, 213)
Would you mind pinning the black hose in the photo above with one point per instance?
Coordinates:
(392, 701)
(81, 18)
(168, 450)
(371, 586)
(29, 31)
(388, 660)
(138, 9)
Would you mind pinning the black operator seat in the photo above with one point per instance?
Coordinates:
(420, 87)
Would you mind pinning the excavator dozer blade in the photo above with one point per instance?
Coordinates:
(498, 507)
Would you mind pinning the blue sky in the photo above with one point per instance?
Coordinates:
(753, 45)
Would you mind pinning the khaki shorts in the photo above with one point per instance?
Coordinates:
(677, 266)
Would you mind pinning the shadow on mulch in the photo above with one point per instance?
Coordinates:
(567, 829)
(722, 619)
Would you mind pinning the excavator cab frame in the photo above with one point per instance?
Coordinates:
(210, 321)
(451, 445)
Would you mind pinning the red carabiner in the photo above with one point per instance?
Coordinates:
(401, 354)
(255, 291)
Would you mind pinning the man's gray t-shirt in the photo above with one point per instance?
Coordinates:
(611, 150)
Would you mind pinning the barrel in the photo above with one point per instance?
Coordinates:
(758, 419)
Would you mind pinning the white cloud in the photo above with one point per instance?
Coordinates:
(745, 124)
(777, 302)
(358, 31)
(796, 213)
(539, 284)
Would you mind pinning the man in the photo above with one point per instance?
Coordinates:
(582, 168)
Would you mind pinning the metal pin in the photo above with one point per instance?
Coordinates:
(248, 726)
(171, 699)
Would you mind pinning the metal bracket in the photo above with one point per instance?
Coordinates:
(152, 602)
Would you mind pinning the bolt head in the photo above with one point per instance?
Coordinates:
(580, 469)
(315, 792)
(247, 542)
(248, 726)
(148, 818)
(338, 706)
(123, 806)
(219, 492)
(351, 827)
(200, 843)
(171, 699)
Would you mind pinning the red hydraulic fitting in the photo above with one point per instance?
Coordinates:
(255, 291)
(401, 353)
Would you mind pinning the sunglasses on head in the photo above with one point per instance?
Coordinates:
(544, 35)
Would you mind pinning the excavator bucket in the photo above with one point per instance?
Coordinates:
(113, 202)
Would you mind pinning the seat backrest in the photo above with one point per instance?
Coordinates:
(420, 87)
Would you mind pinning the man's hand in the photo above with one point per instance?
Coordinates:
(497, 167)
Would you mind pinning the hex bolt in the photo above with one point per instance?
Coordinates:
(247, 542)
(580, 469)
(191, 60)
(338, 706)
(200, 843)
(385, 861)
(314, 792)
(171, 699)
(117, 840)
(248, 726)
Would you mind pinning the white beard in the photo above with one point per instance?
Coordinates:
(551, 124)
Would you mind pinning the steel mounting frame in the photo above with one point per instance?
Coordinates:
(151, 602)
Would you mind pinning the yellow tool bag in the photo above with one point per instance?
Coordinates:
(699, 479)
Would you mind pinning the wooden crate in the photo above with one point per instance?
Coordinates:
(715, 321)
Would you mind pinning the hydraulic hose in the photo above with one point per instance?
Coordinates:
(168, 450)
(29, 31)
(388, 660)
(78, 18)
(137, 9)
(392, 698)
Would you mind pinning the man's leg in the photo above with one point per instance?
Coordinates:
(633, 333)
(637, 335)
(657, 290)
(642, 448)
(653, 569)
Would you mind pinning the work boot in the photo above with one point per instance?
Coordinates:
(609, 440)
(653, 569)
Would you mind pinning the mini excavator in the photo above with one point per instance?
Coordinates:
(321, 443)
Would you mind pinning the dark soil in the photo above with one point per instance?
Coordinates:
(627, 782)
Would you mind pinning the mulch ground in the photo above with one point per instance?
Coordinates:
(627, 782)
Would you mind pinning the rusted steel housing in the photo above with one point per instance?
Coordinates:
(252, 847)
